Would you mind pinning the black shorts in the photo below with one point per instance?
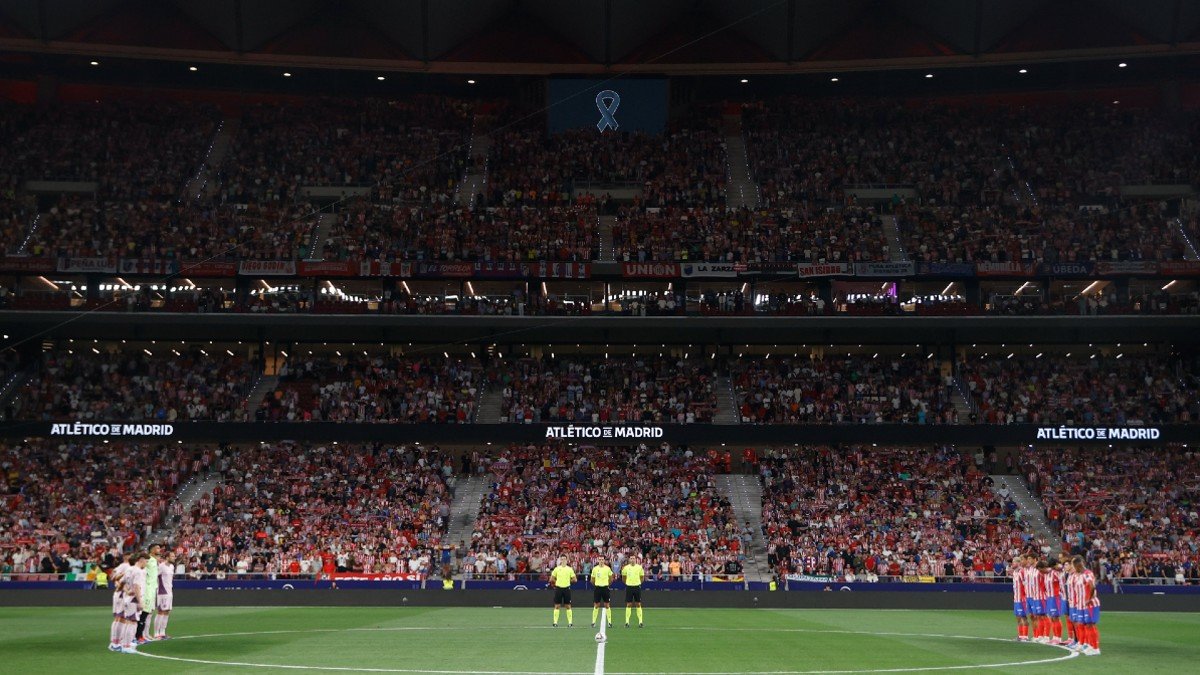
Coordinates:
(562, 596)
(633, 594)
(601, 594)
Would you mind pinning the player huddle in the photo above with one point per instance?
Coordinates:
(1046, 592)
(141, 586)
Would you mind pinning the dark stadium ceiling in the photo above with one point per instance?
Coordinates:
(544, 36)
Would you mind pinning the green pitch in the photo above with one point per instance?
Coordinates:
(470, 641)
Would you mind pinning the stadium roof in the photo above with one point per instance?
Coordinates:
(595, 36)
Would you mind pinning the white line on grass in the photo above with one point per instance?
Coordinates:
(603, 640)
(600, 654)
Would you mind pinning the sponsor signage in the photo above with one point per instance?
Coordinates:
(267, 268)
(1004, 269)
(939, 269)
(650, 270)
(1068, 269)
(209, 269)
(334, 268)
(372, 576)
(87, 265)
(707, 269)
(823, 269)
(883, 269)
(37, 265)
(1098, 433)
(113, 429)
(1130, 267)
(594, 431)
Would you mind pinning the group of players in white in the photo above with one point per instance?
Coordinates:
(142, 586)
(1047, 593)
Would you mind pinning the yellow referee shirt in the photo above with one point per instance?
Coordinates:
(633, 574)
(602, 576)
(561, 576)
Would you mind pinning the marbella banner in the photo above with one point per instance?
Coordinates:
(823, 269)
(1004, 269)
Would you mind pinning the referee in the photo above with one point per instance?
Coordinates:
(632, 573)
(561, 578)
(602, 576)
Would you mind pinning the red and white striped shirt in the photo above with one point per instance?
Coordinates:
(1085, 586)
(1018, 581)
(1035, 590)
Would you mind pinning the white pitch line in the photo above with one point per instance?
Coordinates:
(600, 651)
(600, 646)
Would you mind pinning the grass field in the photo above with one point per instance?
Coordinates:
(505, 640)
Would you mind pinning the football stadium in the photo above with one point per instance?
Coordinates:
(522, 337)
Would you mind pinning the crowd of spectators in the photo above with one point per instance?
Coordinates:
(798, 234)
(67, 504)
(136, 384)
(639, 389)
(1118, 390)
(364, 388)
(1132, 512)
(658, 502)
(447, 232)
(306, 509)
(842, 390)
(856, 513)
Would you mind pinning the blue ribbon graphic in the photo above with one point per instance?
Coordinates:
(607, 109)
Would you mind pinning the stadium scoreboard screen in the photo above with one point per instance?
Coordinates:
(604, 105)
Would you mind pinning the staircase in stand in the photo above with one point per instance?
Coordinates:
(891, 233)
(265, 385)
(12, 384)
(744, 493)
(1189, 246)
(189, 493)
(320, 233)
(491, 406)
(727, 408)
(464, 510)
(741, 191)
(1030, 509)
(204, 183)
(475, 178)
(606, 238)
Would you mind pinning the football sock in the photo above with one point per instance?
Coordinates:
(1096, 636)
(1056, 626)
(570, 616)
(595, 613)
(160, 624)
(639, 613)
(1022, 630)
(628, 611)
(555, 616)
(115, 633)
(1070, 629)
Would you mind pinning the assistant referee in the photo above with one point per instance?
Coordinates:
(561, 578)
(602, 576)
(632, 573)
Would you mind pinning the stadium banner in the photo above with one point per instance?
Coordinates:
(938, 269)
(267, 268)
(203, 268)
(1068, 269)
(1179, 268)
(1126, 268)
(1004, 269)
(810, 578)
(823, 269)
(144, 266)
(727, 578)
(650, 270)
(34, 265)
(441, 270)
(87, 265)
(778, 268)
(372, 576)
(379, 268)
(706, 269)
(332, 268)
(502, 270)
(883, 269)
(564, 270)
(606, 434)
